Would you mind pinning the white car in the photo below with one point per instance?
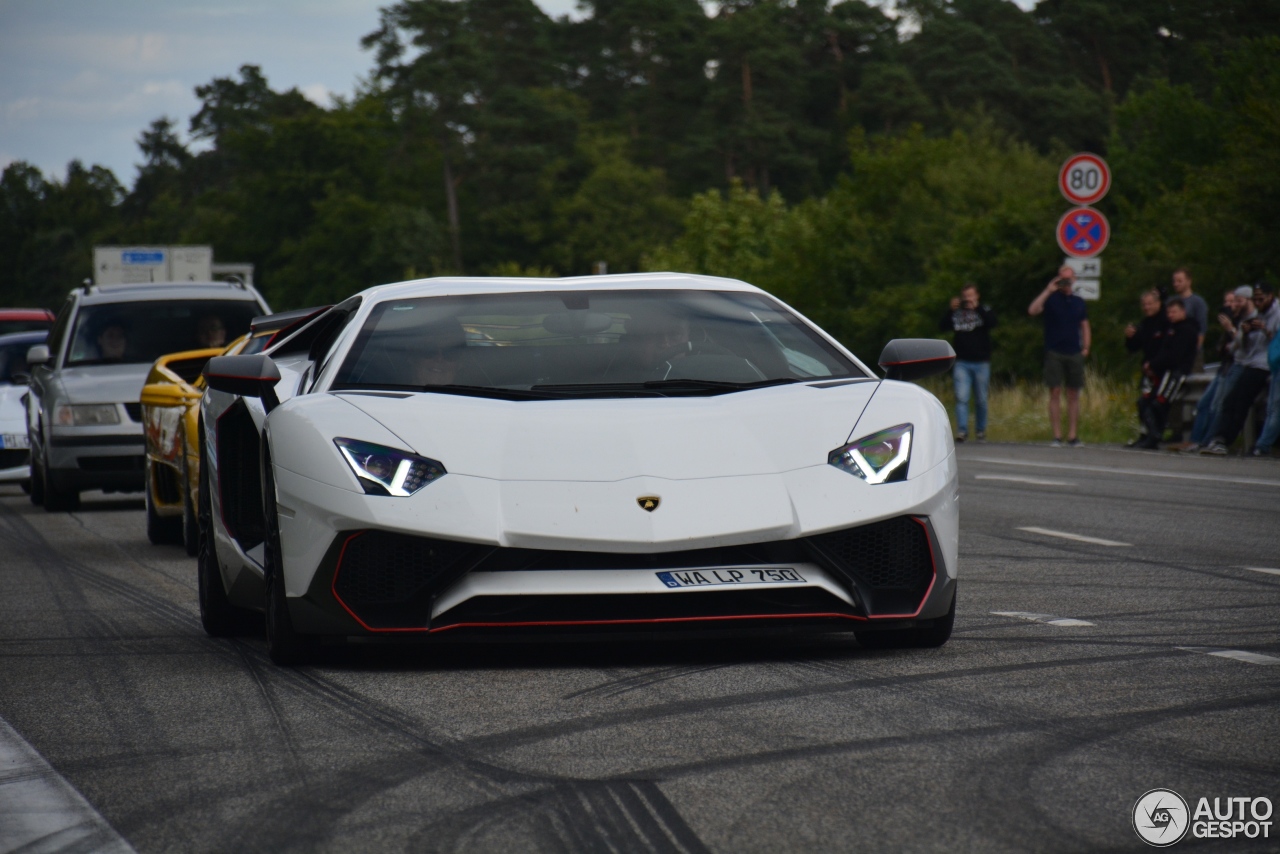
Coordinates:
(15, 374)
(463, 456)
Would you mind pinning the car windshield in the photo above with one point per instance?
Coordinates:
(587, 343)
(13, 357)
(34, 325)
(132, 332)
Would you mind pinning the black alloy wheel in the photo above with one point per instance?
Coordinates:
(161, 530)
(218, 616)
(284, 645)
(923, 637)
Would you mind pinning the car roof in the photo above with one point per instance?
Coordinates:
(108, 294)
(26, 314)
(455, 286)
(33, 336)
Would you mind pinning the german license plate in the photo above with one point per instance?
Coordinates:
(740, 575)
(13, 440)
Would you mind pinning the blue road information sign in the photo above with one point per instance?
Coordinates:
(1084, 178)
(142, 257)
(1083, 232)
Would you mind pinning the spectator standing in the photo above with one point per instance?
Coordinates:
(1254, 375)
(1271, 430)
(1167, 371)
(1066, 345)
(1237, 304)
(1146, 337)
(972, 322)
(1197, 308)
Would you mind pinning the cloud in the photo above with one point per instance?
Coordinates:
(318, 94)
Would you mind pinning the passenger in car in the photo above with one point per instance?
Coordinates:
(439, 357)
(211, 332)
(113, 341)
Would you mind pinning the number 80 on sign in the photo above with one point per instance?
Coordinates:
(1084, 178)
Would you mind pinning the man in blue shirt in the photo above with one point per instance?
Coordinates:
(1066, 346)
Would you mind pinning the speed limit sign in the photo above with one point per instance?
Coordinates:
(1084, 178)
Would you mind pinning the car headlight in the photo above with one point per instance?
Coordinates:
(879, 458)
(86, 414)
(386, 471)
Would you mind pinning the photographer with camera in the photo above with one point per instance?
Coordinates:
(1254, 374)
(1236, 306)
(972, 322)
(1066, 345)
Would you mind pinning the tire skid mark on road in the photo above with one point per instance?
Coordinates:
(77, 517)
(642, 679)
(587, 723)
(619, 815)
(342, 792)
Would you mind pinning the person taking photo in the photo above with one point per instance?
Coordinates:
(972, 322)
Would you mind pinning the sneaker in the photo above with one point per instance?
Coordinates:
(1187, 448)
(982, 437)
(1075, 443)
(1260, 452)
(1056, 443)
(960, 437)
(1217, 449)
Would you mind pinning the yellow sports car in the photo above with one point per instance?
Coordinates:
(170, 418)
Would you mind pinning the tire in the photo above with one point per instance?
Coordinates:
(37, 482)
(923, 637)
(161, 530)
(190, 524)
(56, 500)
(285, 646)
(218, 616)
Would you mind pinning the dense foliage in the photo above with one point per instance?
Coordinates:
(862, 163)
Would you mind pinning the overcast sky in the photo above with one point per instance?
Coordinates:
(81, 79)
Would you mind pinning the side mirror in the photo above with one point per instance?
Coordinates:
(166, 394)
(246, 376)
(916, 358)
(38, 355)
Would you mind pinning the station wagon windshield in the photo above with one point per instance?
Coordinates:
(588, 343)
(132, 332)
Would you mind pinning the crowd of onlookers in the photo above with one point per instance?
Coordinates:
(1171, 339)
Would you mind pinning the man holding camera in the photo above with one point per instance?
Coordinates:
(1254, 374)
(1066, 345)
(972, 322)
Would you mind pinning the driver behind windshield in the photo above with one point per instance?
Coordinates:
(437, 358)
(112, 341)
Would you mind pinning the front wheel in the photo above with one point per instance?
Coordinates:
(53, 498)
(161, 530)
(284, 645)
(922, 637)
(218, 616)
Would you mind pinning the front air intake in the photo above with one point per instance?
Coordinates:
(891, 563)
(388, 580)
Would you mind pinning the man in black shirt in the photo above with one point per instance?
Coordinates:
(972, 322)
(1167, 371)
(1147, 337)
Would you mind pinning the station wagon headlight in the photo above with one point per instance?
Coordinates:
(86, 414)
(879, 458)
(386, 471)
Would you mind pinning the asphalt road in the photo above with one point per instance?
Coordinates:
(1079, 677)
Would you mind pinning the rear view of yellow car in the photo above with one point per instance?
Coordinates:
(170, 421)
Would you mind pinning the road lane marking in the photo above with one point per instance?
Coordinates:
(1262, 569)
(1079, 538)
(1215, 478)
(1236, 654)
(1015, 479)
(1047, 619)
(41, 811)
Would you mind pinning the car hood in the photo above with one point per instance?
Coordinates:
(762, 431)
(11, 409)
(103, 383)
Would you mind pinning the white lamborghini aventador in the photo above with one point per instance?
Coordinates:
(462, 456)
